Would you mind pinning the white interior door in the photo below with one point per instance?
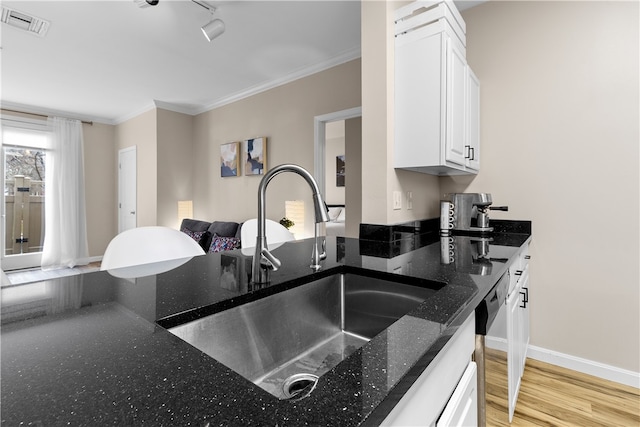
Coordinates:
(127, 208)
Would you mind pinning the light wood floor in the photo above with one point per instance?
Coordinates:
(555, 396)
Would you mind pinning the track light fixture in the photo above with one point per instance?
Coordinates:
(210, 30)
(215, 27)
(146, 3)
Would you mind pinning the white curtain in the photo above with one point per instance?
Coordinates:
(65, 240)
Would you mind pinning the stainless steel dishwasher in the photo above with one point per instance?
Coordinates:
(486, 313)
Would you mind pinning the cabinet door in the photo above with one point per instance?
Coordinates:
(472, 145)
(462, 409)
(419, 99)
(524, 319)
(513, 348)
(426, 399)
(456, 104)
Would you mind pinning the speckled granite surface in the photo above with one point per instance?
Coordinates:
(86, 350)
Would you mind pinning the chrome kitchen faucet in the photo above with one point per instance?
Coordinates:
(264, 260)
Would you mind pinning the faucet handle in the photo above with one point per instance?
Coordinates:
(269, 261)
(323, 254)
(316, 255)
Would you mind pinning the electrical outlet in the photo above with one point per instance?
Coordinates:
(409, 199)
(397, 200)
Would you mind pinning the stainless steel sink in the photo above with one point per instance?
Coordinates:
(284, 342)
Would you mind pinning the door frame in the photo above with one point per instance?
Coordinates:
(319, 140)
(30, 259)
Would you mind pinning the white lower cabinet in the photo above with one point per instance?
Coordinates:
(512, 326)
(517, 336)
(462, 409)
(446, 393)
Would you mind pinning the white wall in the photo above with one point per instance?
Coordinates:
(175, 158)
(141, 132)
(101, 189)
(285, 115)
(353, 192)
(560, 136)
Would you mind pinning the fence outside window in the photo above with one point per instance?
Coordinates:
(24, 200)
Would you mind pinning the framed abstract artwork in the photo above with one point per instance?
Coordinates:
(340, 164)
(229, 161)
(255, 156)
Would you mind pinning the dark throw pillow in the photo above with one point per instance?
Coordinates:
(202, 237)
(221, 243)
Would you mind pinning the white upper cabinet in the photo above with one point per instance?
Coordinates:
(436, 94)
(472, 147)
(455, 134)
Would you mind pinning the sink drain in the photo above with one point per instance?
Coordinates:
(299, 386)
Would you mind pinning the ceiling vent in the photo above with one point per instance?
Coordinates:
(25, 22)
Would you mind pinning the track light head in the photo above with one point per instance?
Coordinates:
(146, 3)
(213, 29)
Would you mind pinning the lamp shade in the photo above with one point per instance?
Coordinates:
(146, 251)
(185, 210)
(294, 210)
(213, 29)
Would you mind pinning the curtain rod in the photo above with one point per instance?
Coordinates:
(39, 115)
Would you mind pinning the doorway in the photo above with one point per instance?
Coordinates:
(24, 151)
(353, 160)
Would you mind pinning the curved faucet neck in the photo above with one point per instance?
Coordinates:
(319, 207)
(262, 255)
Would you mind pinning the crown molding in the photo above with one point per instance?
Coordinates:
(177, 108)
(135, 113)
(304, 72)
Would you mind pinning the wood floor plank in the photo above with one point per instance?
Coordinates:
(554, 396)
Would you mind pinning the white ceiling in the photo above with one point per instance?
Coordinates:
(108, 61)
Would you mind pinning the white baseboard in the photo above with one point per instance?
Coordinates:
(95, 258)
(496, 343)
(578, 364)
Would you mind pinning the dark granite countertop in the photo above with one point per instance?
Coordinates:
(89, 349)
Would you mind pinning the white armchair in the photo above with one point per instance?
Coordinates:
(145, 251)
(276, 233)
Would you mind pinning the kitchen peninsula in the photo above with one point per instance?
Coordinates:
(93, 349)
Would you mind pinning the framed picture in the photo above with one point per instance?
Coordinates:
(340, 171)
(229, 161)
(255, 156)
